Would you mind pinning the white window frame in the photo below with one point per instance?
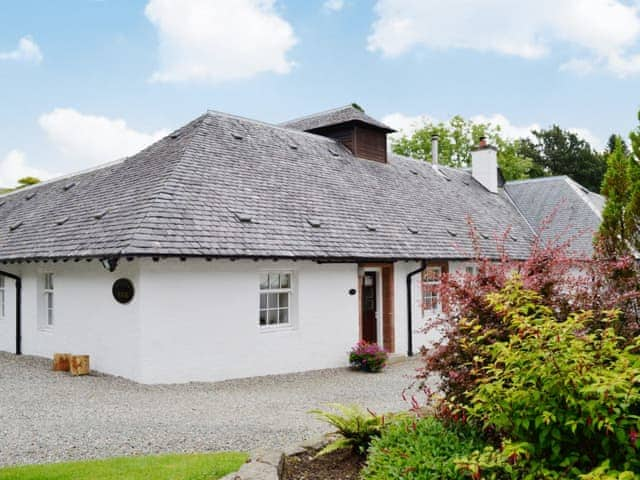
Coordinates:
(3, 296)
(471, 269)
(278, 291)
(427, 281)
(47, 314)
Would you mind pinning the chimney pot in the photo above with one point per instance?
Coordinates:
(434, 149)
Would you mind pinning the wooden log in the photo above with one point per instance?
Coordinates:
(61, 362)
(79, 365)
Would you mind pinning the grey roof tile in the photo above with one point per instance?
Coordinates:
(180, 197)
(559, 209)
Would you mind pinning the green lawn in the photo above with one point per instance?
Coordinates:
(204, 466)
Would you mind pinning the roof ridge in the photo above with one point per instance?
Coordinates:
(536, 179)
(67, 176)
(274, 126)
(197, 125)
(95, 168)
(520, 212)
(323, 112)
(426, 162)
(579, 189)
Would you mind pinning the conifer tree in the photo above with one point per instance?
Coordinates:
(632, 213)
(616, 187)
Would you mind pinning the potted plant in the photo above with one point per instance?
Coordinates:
(369, 357)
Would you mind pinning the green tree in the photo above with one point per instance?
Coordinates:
(27, 181)
(632, 213)
(23, 182)
(457, 138)
(611, 144)
(613, 234)
(555, 151)
(635, 140)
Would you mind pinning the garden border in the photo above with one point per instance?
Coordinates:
(264, 464)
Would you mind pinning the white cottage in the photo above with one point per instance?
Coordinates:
(233, 248)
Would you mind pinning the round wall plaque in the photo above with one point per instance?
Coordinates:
(123, 290)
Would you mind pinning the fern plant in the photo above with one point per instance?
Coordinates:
(355, 426)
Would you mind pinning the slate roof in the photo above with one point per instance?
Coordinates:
(571, 212)
(224, 186)
(337, 116)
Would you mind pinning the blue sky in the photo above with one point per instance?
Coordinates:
(87, 81)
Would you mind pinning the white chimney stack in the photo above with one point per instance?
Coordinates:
(434, 149)
(484, 165)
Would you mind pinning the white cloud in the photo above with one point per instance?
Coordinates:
(87, 140)
(607, 31)
(217, 40)
(407, 124)
(579, 66)
(14, 167)
(26, 51)
(507, 129)
(586, 134)
(333, 5)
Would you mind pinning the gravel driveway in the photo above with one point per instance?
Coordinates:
(49, 416)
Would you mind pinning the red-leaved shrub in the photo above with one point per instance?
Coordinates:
(565, 282)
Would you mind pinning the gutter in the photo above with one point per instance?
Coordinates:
(410, 275)
(18, 309)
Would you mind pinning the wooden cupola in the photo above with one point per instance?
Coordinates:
(365, 136)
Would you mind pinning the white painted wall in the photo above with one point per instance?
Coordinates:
(87, 318)
(402, 269)
(200, 320)
(8, 321)
(426, 333)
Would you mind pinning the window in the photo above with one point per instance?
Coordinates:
(275, 299)
(430, 289)
(2, 297)
(471, 269)
(48, 299)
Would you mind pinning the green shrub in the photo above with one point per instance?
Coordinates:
(355, 426)
(564, 394)
(421, 449)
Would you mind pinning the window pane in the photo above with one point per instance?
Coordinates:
(49, 300)
(283, 300)
(263, 300)
(432, 274)
(264, 281)
(1, 281)
(49, 317)
(285, 280)
(263, 317)
(272, 317)
(272, 300)
(2, 303)
(284, 315)
(274, 280)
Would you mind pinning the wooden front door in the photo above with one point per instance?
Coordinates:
(370, 307)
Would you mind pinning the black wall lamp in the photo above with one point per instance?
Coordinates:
(109, 263)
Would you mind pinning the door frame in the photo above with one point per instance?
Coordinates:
(379, 300)
(385, 302)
